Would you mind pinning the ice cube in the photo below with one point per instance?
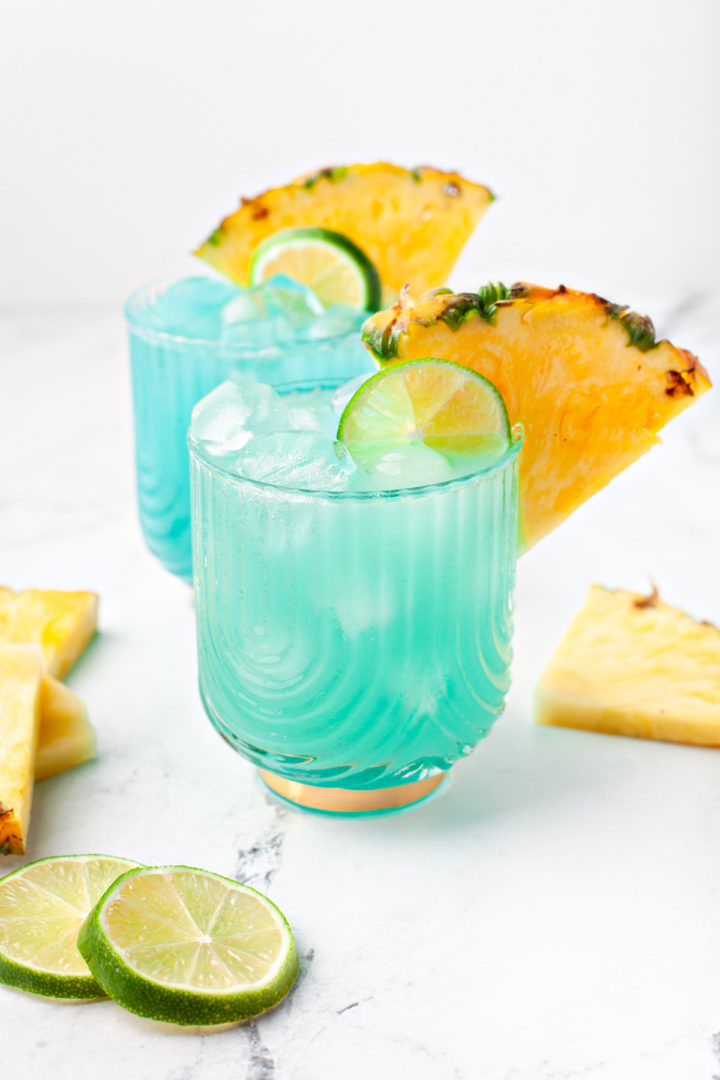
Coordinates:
(269, 313)
(335, 321)
(298, 459)
(303, 418)
(344, 393)
(362, 605)
(312, 411)
(192, 307)
(410, 465)
(291, 300)
(235, 411)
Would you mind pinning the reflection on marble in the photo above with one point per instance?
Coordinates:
(553, 914)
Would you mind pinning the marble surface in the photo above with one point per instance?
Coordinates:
(553, 915)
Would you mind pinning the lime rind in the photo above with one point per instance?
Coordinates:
(183, 1005)
(73, 989)
(343, 248)
(384, 430)
(34, 979)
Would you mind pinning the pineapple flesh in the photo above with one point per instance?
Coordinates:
(411, 223)
(64, 623)
(21, 673)
(586, 379)
(632, 665)
(66, 737)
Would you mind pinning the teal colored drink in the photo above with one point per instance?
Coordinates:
(184, 340)
(349, 636)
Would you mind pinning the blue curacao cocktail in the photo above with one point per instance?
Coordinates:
(354, 632)
(184, 340)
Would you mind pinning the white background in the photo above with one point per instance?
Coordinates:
(554, 914)
(129, 130)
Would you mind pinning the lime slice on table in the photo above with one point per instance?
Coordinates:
(410, 416)
(335, 269)
(189, 947)
(42, 907)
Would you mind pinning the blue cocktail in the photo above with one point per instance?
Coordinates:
(354, 636)
(187, 338)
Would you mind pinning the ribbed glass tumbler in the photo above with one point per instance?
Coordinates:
(170, 374)
(354, 645)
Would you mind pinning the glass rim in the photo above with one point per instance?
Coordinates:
(500, 465)
(151, 332)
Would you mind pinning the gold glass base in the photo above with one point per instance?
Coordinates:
(348, 800)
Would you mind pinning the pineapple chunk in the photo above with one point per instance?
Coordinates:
(21, 672)
(66, 738)
(631, 665)
(584, 377)
(64, 623)
(411, 223)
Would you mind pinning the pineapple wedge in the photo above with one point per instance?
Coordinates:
(632, 665)
(64, 623)
(21, 672)
(411, 223)
(66, 737)
(585, 377)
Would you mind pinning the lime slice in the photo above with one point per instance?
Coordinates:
(42, 907)
(407, 410)
(335, 269)
(189, 947)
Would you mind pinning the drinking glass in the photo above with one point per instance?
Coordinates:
(170, 374)
(354, 645)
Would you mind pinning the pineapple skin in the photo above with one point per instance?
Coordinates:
(64, 623)
(21, 672)
(585, 377)
(634, 666)
(66, 737)
(411, 223)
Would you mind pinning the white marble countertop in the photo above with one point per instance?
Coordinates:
(553, 915)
